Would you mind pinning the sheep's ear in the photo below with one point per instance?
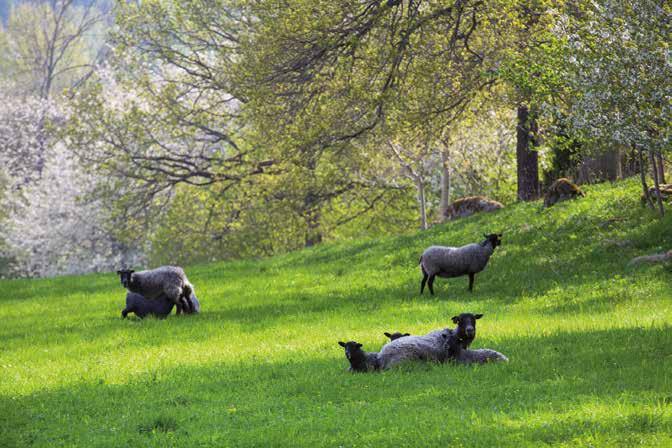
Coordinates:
(500, 235)
(455, 319)
(130, 271)
(477, 316)
(407, 334)
(342, 344)
(485, 236)
(359, 345)
(118, 272)
(387, 334)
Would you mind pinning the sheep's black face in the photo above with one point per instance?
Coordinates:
(125, 275)
(495, 239)
(466, 325)
(396, 335)
(352, 348)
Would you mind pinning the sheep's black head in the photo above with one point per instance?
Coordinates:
(494, 238)
(396, 335)
(466, 325)
(352, 348)
(125, 275)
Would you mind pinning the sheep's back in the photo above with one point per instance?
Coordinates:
(152, 281)
(429, 347)
(455, 261)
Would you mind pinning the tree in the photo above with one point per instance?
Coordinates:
(621, 75)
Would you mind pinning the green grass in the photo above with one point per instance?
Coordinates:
(589, 339)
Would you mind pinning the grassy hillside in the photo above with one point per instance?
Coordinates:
(589, 340)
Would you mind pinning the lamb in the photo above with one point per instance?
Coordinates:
(467, 206)
(561, 190)
(395, 336)
(457, 261)
(170, 281)
(360, 361)
(432, 346)
(160, 307)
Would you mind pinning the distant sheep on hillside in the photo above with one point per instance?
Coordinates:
(470, 205)
(561, 190)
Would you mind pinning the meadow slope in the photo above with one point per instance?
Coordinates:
(589, 339)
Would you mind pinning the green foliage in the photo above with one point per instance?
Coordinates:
(588, 337)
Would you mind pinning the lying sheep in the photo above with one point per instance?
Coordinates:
(432, 346)
(159, 307)
(360, 361)
(561, 190)
(470, 205)
(457, 261)
(170, 281)
(456, 343)
(395, 336)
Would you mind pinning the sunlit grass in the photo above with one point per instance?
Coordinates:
(589, 339)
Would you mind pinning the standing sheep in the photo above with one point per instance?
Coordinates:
(457, 261)
(170, 281)
(360, 361)
(159, 307)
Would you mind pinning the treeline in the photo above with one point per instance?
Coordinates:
(182, 132)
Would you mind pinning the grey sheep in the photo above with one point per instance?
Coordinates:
(457, 352)
(360, 361)
(160, 307)
(457, 261)
(170, 281)
(432, 346)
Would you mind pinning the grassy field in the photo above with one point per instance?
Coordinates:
(589, 339)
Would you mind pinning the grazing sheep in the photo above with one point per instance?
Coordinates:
(397, 335)
(360, 361)
(159, 307)
(561, 190)
(467, 206)
(170, 281)
(432, 346)
(457, 261)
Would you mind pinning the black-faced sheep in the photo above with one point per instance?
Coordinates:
(432, 346)
(360, 361)
(170, 281)
(457, 261)
(561, 190)
(470, 205)
(159, 307)
(396, 335)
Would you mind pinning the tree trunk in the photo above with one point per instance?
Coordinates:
(659, 197)
(642, 174)
(445, 184)
(420, 185)
(661, 167)
(527, 159)
(311, 214)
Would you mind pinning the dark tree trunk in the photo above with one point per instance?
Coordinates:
(312, 215)
(445, 184)
(642, 175)
(661, 167)
(659, 197)
(527, 159)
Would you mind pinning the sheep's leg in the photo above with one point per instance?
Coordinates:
(424, 280)
(124, 313)
(471, 282)
(430, 283)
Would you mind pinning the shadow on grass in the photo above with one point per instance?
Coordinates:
(556, 389)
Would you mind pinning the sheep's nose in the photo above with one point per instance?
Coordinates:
(470, 331)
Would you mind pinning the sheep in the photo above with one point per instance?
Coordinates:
(170, 281)
(159, 307)
(561, 190)
(360, 361)
(457, 261)
(480, 356)
(467, 206)
(432, 346)
(397, 335)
